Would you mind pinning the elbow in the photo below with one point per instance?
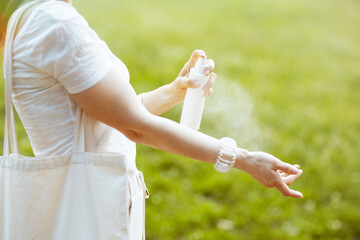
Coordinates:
(139, 128)
(133, 135)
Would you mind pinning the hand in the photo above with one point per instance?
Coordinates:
(183, 82)
(271, 172)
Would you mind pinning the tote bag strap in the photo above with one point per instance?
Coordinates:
(84, 136)
(82, 142)
(10, 130)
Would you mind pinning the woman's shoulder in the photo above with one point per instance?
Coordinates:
(55, 11)
(51, 19)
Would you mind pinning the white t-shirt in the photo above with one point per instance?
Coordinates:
(56, 53)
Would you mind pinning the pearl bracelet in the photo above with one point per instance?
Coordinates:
(227, 155)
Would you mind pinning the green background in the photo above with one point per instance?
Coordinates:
(288, 83)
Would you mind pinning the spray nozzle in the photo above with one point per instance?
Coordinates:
(201, 62)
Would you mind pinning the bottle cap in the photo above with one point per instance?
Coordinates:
(201, 62)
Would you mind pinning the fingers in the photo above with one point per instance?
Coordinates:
(210, 67)
(288, 192)
(284, 174)
(208, 86)
(192, 61)
(286, 167)
(289, 179)
(184, 82)
(194, 57)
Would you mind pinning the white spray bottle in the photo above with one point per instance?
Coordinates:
(194, 98)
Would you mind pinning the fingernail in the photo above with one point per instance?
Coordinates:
(207, 72)
(295, 169)
(196, 83)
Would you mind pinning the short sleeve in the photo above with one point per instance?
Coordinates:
(71, 51)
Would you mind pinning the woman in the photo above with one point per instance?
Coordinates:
(59, 63)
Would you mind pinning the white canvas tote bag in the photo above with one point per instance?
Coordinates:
(80, 196)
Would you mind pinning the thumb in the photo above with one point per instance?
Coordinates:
(184, 82)
(288, 192)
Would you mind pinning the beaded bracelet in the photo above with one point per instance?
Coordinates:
(227, 155)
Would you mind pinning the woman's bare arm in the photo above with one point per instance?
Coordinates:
(114, 102)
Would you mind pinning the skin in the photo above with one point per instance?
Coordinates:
(114, 102)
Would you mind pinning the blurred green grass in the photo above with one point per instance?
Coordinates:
(297, 65)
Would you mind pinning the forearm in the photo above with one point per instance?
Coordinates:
(169, 136)
(172, 137)
(160, 100)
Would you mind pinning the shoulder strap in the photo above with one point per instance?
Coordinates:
(83, 136)
(10, 130)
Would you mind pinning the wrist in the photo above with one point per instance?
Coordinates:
(242, 158)
(174, 95)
